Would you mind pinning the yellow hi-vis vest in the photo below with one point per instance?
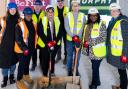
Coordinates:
(116, 39)
(65, 11)
(35, 19)
(45, 25)
(25, 33)
(71, 23)
(3, 25)
(99, 50)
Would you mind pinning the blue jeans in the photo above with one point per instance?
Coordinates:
(70, 48)
(95, 72)
(6, 70)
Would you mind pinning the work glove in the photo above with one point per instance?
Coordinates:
(51, 44)
(76, 39)
(124, 59)
(25, 52)
(85, 44)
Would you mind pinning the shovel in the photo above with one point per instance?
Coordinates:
(73, 85)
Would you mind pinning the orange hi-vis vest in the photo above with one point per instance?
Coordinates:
(25, 33)
(3, 25)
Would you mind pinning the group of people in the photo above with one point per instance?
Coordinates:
(46, 29)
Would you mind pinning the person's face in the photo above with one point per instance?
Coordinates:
(50, 14)
(12, 11)
(93, 17)
(37, 8)
(28, 17)
(60, 4)
(75, 7)
(115, 13)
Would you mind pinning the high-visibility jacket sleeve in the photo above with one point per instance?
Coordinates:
(19, 38)
(124, 30)
(40, 32)
(67, 28)
(59, 35)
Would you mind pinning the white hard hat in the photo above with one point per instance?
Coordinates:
(75, 1)
(114, 6)
(93, 10)
(48, 7)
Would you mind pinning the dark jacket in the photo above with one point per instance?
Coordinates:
(31, 37)
(7, 55)
(115, 60)
(48, 38)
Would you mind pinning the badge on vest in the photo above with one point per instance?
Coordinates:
(95, 29)
(79, 21)
(115, 29)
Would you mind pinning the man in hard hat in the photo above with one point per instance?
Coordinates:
(74, 24)
(37, 15)
(60, 10)
(24, 47)
(117, 43)
(50, 39)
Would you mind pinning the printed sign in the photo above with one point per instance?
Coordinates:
(23, 3)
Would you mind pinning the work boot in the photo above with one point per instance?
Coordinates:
(70, 73)
(5, 80)
(11, 78)
(28, 79)
(115, 87)
(21, 85)
(92, 87)
(33, 68)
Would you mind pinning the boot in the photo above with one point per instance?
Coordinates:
(28, 79)
(33, 68)
(11, 78)
(65, 60)
(20, 84)
(115, 87)
(4, 84)
(92, 87)
(70, 73)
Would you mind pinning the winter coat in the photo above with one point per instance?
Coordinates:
(7, 55)
(115, 60)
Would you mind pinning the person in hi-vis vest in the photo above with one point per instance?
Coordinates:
(37, 15)
(74, 24)
(49, 39)
(25, 45)
(61, 11)
(94, 38)
(117, 43)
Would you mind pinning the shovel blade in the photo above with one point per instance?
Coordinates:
(72, 86)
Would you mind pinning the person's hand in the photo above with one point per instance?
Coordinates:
(76, 39)
(124, 59)
(85, 44)
(51, 44)
(26, 52)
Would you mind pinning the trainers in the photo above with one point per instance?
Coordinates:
(20, 84)
(115, 87)
(28, 79)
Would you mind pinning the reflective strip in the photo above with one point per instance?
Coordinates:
(117, 47)
(100, 45)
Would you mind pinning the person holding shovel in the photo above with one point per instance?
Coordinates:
(94, 38)
(50, 39)
(74, 24)
(117, 43)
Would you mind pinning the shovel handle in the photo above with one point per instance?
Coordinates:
(76, 60)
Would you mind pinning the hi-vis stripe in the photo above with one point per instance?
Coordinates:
(22, 29)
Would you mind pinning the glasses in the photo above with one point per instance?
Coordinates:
(60, 1)
(93, 15)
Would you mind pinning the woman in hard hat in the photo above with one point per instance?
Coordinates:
(7, 32)
(94, 38)
(117, 43)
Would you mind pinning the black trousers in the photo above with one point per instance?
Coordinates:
(59, 50)
(34, 58)
(23, 67)
(45, 56)
(123, 78)
(95, 72)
